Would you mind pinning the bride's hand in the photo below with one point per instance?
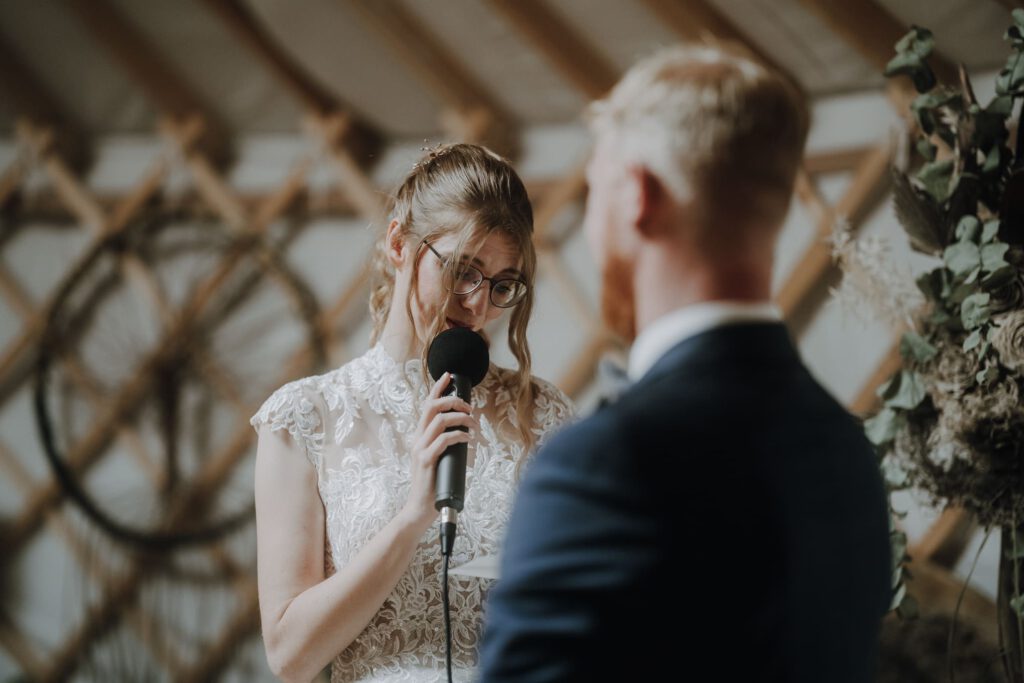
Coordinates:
(429, 442)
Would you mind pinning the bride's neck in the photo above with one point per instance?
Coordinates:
(398, 337)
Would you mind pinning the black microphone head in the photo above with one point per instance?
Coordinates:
(460, 351)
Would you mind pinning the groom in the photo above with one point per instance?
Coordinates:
(725, 518)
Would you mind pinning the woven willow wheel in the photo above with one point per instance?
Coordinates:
(157, 348)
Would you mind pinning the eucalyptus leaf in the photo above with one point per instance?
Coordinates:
(1011, 77)
(993, 160)
(909, 393)
(883, 427)
(898, 543)
(1017, 604)
(961, 258)
(989, 131)
(990, 231)
(913, 345)
(919, 215)
(973, 339)
(1000, 106)
(968, 228)
(918, 40)
(974, 311)
(888, 388)
(939, 317)
(999, 278)
(900, 594)
(1018, 17)
(960, 293)
(911, 51)
(930, 283)
(912, 65)
(935, 178)
(1015, 34)
(926, 149)
(993, 256)
(895, 476)
(987, 376)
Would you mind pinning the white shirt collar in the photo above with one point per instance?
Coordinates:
(674, 327)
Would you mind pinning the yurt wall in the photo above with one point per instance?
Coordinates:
(190, 193)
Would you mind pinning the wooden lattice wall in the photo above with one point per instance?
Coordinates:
(198, 146)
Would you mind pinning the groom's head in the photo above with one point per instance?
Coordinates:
(696, 149)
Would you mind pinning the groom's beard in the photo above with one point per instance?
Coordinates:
(617, 305)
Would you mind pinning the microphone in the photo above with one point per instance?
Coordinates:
(463, 353)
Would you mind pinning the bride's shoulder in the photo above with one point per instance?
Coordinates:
(547, 397)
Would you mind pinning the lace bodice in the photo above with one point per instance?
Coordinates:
(355, 426)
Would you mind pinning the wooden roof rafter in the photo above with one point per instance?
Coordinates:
(872, 31)
(169, 93)
(693, 19)
(582, 65)
(33, 101)
(472, 113)
(361, 140)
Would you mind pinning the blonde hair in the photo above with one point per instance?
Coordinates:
(470, 192)
(712, 124)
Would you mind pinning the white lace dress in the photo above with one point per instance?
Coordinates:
(356, 425)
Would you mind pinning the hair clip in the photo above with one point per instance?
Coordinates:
(432, 153)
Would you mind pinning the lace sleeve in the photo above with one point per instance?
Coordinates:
(552, 410)
(294, 408)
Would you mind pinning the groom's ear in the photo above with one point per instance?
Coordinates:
(650, 200)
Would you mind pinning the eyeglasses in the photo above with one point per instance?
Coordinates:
(466, 279)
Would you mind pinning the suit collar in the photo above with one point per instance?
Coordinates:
(688, 321)
(741, 343)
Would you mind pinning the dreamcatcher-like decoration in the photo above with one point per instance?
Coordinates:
(158, 346)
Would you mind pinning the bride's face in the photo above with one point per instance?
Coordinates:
(497, 257)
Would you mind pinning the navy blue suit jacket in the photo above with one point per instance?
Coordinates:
(724, 518)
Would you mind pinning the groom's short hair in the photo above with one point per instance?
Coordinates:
(712, 124)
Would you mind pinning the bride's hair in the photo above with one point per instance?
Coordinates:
(470, 192)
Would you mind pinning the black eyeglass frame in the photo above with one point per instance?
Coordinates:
(495, 281)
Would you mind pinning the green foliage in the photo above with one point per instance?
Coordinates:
(954, 207)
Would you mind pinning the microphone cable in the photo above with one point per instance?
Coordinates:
(447, 618)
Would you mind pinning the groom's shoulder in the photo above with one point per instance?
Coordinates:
(591, 443)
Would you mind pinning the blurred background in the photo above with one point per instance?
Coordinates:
(189, 192)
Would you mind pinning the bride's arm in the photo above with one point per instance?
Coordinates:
(307, 619)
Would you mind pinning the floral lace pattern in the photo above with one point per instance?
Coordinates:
(355, 425)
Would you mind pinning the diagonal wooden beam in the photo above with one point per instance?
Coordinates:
(866, 401)
(11, 180)
(34, 101)
(693, 19)
(569, 189)
(870, 177)
(582, 65)
(362, 139)
(162, 85)
(443, 73)
(870, 29)
(834, 160)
